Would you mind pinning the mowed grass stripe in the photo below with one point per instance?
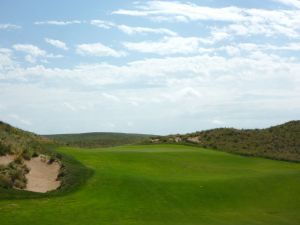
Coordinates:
(169, 184)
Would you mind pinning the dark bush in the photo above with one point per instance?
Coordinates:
(35, 154)
(19, 160)
(26, 155)
(4, 149)
(51, 160)
(5, 181)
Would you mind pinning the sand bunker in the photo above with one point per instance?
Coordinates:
(42, 176)
(5, 160)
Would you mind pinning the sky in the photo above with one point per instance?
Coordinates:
(155, 67)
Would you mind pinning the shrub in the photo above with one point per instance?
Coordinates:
(16, 174)
(20, 184)
(51, 160)
(34, 154)
(5, 181)
(19, 160)
(26, 155)
(4, 149)
(58, 156)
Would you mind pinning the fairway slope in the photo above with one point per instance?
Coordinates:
(169, 185)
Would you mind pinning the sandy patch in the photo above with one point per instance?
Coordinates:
(5, 160)
(42, 176)
(194, 139)
(156, 140)
(177, 139)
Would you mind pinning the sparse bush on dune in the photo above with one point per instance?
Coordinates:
(13, 175)
(16, 141)
(26, 154)
(4, 149)
(19, 160)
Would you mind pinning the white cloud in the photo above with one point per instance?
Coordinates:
(167, 72)
(266, 24)
(242, 88)
(30, 49)
(140, 30)
(8, 26)
(18, 119)
(30, 58)
(111, 97)
(169, 46)
(130, 30)
(69, 106)
(57, 43)
(98, 49)
(217, 122)
(295, 3)
(33, 52)
(102, 24)
(167, 10)
(253, 47)
(58, 22)
(232, 50)
(242, 21)
(6, 61)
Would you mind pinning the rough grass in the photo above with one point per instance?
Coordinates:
(168, 184)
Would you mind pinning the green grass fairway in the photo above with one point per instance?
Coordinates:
(168, 184)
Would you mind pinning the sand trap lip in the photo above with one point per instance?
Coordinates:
(42, 176)
(5, 160)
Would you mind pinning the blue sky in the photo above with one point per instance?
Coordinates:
(155, 67)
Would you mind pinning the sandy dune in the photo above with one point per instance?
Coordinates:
(42, 176)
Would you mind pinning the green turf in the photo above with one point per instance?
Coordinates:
(168, 184)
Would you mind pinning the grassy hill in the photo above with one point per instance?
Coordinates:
(168, 185)
(278, 142)
(16, 141)
(99, 139)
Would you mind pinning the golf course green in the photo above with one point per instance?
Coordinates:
(167, 184)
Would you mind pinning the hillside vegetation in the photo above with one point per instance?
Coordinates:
(280, 142)
(98, 139)
(16, 141)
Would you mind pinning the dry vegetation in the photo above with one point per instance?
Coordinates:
(279, 142)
